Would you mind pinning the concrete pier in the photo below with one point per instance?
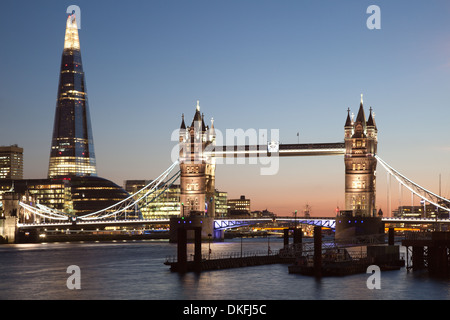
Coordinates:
(355, 226)
(206, 224)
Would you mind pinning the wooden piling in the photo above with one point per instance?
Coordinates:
(318, 251)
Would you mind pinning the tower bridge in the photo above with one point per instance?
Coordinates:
(72, 153)
(196, 167)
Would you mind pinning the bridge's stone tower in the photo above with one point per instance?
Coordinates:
(360, 164)
(197, 181)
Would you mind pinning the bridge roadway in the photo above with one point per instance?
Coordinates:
(284, 150)
(219, 223)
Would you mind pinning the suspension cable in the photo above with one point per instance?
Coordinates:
(414, 187)
(155, 183)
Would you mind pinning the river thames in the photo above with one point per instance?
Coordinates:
(135, 270)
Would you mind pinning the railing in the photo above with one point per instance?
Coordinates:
(418, 235)
(227, 255)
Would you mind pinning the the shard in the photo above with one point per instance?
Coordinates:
(72, 151)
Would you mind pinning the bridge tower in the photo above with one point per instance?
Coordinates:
(359, 217)
(360, 163)
(197, 180)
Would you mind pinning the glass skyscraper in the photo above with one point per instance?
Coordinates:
(72, 151)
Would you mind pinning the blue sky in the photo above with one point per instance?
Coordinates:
(295, 66)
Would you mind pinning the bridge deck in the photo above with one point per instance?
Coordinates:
(284, 150)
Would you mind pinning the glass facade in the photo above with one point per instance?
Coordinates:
(221, 203)
(167, 205)
(89, 194)
(72, 150)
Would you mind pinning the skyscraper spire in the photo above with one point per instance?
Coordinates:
(72, 151)
(71, 40)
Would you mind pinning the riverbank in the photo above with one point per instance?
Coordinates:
(74, 237)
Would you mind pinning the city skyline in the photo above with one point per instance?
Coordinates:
(291, 65)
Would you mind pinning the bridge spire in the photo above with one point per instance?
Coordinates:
(371, 120)
(361, 117)
(348, 122)
(183, 125)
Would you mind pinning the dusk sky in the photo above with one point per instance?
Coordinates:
(290, 65)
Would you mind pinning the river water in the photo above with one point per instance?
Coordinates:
(135, 270)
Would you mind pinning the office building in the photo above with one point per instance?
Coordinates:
(221, 202)
(72, 148)
(166, 205)
(11, 162)
(239, 206)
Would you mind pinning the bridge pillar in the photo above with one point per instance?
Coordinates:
(181, 250)
(182, 264)
(349, 226)
(318, 251)
(205, 223)
(8, 223)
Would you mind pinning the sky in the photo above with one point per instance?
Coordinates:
(290, 65)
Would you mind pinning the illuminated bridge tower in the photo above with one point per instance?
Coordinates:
(360, 164)
(360, 176)
(72, 151)
(197, 180)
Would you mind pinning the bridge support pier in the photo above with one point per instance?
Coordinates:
(349, 226)
(8, 225)
(8, 229)
(206, 225)
(182, 264)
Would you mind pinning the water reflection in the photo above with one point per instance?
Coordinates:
(135, 270)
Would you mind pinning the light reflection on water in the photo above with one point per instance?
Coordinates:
(135, 270)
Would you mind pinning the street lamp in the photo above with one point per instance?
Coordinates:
(295, 219)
